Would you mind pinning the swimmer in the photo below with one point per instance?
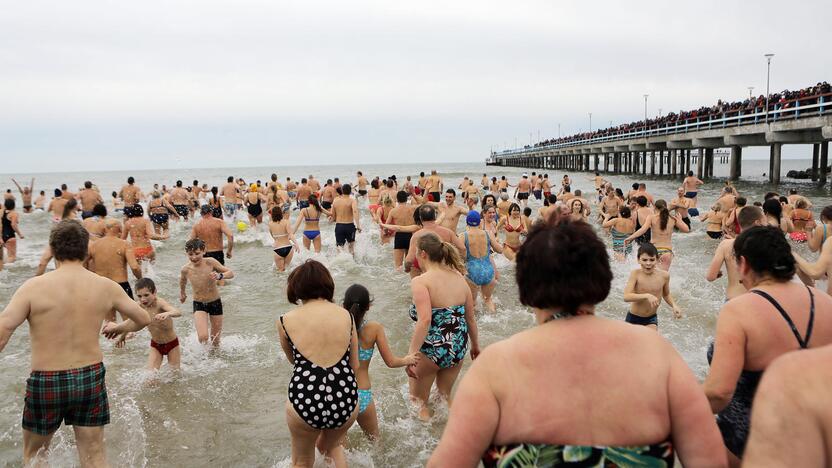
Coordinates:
(577, 211)
(680, 205)
(691, 186)
(620, 228)
(140, 231)
(521, 192)
(347, 219)
(361, 183)
(10, 231)
(400, 216)
(645, 289)
(749, 217)
(284, 238)
(254, 209)
(479, 266)
(661, 226)
(40, 201)
(130, 193)
(118, 203)
(163, 339)
(159, 212)
(26, 194)
(427, 219)
(714, 218)
(57, 205)
(111, 255)
(450, 212)
(211, 230)
(328, 194)
(434, 185)
(89, 197)
(513, 226)
(204, 273)
(181, 201)
(371, 335)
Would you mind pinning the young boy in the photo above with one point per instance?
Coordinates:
(204, 273)
(646, 287)
(163, 339)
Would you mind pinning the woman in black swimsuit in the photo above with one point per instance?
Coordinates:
(776, 316)
(320, 340)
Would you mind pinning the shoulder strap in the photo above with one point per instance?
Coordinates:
(803, 343)
(285, 332)
(467, 247)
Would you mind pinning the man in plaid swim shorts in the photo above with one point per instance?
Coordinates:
(65, 309)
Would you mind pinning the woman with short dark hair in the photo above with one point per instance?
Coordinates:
(576, 387)
(320, 340)
(775, 316)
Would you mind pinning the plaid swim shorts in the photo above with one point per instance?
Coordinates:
(78, 397)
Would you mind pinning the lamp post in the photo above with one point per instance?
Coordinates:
(558, 130)
(645, 109)
(768, 80)
(750, 92)
(590, 124)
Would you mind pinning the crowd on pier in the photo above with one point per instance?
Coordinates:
(785, 99)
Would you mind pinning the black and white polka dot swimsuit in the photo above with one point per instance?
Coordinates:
(324, 397)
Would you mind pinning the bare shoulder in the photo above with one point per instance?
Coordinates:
(186, 268)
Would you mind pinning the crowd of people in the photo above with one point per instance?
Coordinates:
(563, 391)
(785, 99)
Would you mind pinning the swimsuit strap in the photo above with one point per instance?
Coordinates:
(804, 343)
(467, 246)
(824, 233)
(287, 333)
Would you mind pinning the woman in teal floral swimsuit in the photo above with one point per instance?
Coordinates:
(443, 309)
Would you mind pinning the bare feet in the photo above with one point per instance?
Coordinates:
(489, 305)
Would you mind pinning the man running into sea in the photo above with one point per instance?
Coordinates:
(691, 185)
(111, 255)
(26, 194)
(65, 309)
(211, 230)
(347, 219)
(89, 197)
(180, 199)
(230, 197)
(450, 211)
(130, 193)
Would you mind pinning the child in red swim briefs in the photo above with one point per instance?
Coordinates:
(163, 339)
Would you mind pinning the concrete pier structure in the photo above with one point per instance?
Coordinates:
(627, 152)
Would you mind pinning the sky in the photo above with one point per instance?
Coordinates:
(110, 85)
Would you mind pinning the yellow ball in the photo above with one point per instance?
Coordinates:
(242, 226)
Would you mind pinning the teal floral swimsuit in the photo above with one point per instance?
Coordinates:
(542, 455)
(447, 339)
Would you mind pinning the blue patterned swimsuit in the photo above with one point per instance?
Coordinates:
(447, 338)
(480, 270)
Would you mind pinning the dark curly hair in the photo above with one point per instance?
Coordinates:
(563, 264)
(766, 251)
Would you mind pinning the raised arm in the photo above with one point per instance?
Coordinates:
(221, 271)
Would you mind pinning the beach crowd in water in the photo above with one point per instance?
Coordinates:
(573, 390)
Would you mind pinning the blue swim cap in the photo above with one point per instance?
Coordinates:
(473, 218)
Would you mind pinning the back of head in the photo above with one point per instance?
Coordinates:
(427, 213)
(741, 201)
(71, 206)
(750, 215)
(346, 189)
(87, 185)
(277, 214)
(8, 204)
(642, 201)
(826, 213)
(562, 265)
(99, 210)
(357, 300)
(441, 252)
(664, 213)
(131, 180)
(766, 252)
(310, 280)
(772, 207)
(624, 212)
(68, 241)
(401, 196)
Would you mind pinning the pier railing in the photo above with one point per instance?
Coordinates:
(809, 106)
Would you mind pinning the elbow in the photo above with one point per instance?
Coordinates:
(718, 397)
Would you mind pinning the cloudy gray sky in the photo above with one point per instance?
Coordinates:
(121, 85)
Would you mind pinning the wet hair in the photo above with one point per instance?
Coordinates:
(441, 252)
(552, 199)
(69, 240)
(619, 192)
(390, 183)
(99, 210)
(136, 211)
(87, 185)
(647, 248)
(486, 197)
(277, 213)
(357, 300)
(635, 186)
(664, 214)
(303, 180)
(451, 191)
(801, 204)
(569, 251)
(313, 200)
(131, 180)
(310, 280)
(741, 201)
(641, 200)
(230, 179)
(401, 196)
(748, 216)
(58, 193)
(178, 183)
(512, 207)
(766, 251)
(346, 189)
(194, 244)
(770, 195)
(63, 187)
(690, 173)
(374, 183)
(115, 194)
(8, 204)
(826, 213)
(146, 283)
(427, 213)
(196, 182)
(784, 200)
(70, 208)
(624, 212)
(772, 207)
(527, 211)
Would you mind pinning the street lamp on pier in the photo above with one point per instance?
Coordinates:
(768, 80)
(750, 92)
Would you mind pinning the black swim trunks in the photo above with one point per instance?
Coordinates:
(523, 195)
(639, 320)
(86, 214)
(362, 193)
(217, 255)
(78, 397)
(344, 232)
(182, 210)
(326, 205)
(159, 218)
(402, 240)
(436, 196)
(126, 287)
(212, 308)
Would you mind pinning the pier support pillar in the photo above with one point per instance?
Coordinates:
(736, 158)
(815, 156)
(653, 163)
(824, 161)
(709, 162)
(776, 150)
(661, 163)
(673, 156)
(699, 169)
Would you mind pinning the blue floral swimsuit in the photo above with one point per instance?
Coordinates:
(480, 270)
(447, 339)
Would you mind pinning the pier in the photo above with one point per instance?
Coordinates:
(672, 149)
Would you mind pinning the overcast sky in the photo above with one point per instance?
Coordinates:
(122, 85)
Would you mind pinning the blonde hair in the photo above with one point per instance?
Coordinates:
(441, 252)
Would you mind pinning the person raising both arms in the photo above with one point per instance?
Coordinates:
(26, 193)
(65, 309)
(661, 225)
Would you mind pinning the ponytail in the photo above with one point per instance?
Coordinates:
(664, 214)
(357, 301)
(450, 257)
(441, 252)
